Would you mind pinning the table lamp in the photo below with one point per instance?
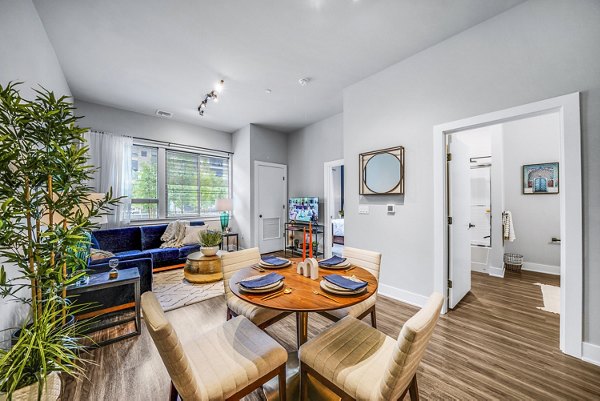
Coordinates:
(224, 206)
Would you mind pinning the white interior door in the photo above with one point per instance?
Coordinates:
(271, 192)
(459, 212)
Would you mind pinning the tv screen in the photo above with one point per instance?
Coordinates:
(304, 209)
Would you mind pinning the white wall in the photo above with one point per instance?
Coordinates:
(241, 222)
(252, 143)
(536, 217)
(266, 146)
(534, 51)
(123, 122)
(308, 149)
(26, 55)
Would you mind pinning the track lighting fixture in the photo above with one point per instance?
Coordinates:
(212, 95)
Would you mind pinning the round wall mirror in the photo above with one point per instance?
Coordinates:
(382, 173)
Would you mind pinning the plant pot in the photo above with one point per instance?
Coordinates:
(15, 336)
(209, 250)
(50, 392)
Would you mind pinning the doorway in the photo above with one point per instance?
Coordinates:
(333, 206)
(270, 199)
(571, 247)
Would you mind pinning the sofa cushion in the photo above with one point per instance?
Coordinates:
(162, 255)
(118, 239)
(184, 251)
(129, 253)
(151, 236)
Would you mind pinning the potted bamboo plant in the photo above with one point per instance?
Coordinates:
(46, 215)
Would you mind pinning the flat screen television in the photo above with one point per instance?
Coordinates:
(303, 209)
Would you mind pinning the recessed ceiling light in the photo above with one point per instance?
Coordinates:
(304, 81)
(268, 91)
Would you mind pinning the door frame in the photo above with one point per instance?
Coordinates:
(327, 195)
(255, 219)
(571, 214)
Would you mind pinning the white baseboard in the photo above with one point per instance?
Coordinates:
(496, 271)
(479, 267)
(540, 268)
(402, 295)
(591, 353)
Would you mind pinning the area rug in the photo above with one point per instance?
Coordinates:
(551, 295)
(173, 291)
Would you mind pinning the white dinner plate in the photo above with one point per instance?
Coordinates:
(273, 287)
(334, 289)
(270, 266)
(344, 265)
(265, 288)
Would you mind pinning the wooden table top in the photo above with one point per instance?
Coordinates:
(302, 298)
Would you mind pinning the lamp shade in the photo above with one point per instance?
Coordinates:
(224, 205)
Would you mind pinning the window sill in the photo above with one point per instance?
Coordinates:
(166, 221)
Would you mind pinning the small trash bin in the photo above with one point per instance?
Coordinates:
(513, 262)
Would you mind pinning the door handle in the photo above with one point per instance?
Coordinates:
(260, 215)
(471, 225)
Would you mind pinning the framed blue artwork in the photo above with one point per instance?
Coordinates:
(540, 179)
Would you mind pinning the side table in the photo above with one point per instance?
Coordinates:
(101, 281)
(225, 242)
(202, 269)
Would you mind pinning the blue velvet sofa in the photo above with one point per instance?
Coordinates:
(141, 242)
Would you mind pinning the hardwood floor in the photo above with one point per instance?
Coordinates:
(495, 345)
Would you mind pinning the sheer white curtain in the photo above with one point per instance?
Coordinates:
(111, 154)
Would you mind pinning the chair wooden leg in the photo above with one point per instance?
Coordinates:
(303, 384)
(373, 317)
(413, 389)
(282, 384)
(173, 395)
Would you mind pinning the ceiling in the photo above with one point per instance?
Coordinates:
(143, 55)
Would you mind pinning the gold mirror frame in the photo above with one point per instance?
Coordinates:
(363, 159)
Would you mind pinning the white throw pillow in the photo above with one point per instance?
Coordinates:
(192, 235)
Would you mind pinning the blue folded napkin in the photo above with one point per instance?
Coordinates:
(273, 260)
(344, 282)
(264, 281)
(333, 261)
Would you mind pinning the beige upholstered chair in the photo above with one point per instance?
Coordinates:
(232, 262)
(370, 261)
(358, 362)
(225, 363)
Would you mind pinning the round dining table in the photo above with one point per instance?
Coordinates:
(301, 300)
(306, 294)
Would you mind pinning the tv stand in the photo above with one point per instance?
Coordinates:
(293, 231)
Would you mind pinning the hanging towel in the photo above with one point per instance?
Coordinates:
(508, 227)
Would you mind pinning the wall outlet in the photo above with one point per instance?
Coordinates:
(363, 209)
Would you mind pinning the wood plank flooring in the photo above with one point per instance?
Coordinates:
(495, 346)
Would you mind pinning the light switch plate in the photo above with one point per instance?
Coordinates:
(363, 209)
(391, 209)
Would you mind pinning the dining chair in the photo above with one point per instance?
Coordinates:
(232, 262)
(370, 261)
(358, 362)
(225, 363)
